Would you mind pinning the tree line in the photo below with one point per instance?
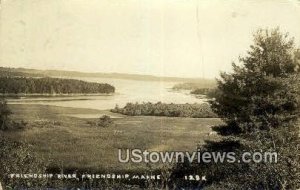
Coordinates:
(208, 92)
(169, 110)
(204, 83)
(16, 85)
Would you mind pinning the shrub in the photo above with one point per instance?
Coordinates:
(18, 158)
(104, 121)
(5, 122)
(4, 114)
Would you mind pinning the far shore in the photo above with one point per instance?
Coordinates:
(37, 95)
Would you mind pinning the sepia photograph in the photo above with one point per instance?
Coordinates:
(149, 94)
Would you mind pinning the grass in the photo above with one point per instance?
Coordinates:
(70, 142)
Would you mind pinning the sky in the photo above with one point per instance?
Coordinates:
(181, 38)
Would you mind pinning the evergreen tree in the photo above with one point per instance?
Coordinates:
(259, 103)
(261, 94)
(260, 106)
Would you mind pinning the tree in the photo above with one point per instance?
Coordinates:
(261, 94)
(259, 104)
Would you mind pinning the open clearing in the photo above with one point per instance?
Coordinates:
(70, 142)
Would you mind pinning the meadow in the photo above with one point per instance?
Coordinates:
(71, 142)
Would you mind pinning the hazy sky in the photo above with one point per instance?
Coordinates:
(186, 38)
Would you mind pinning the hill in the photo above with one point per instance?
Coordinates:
(61, 73)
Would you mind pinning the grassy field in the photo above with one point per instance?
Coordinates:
(71, 142)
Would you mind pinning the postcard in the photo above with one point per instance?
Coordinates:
(149, 94)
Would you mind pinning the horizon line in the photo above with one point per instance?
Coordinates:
(117, 73)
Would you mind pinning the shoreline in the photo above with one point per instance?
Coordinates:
(80, 113)
(37, 95)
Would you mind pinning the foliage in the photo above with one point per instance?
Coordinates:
(200, 91)
(104, 121)
(285, 174)
(169, 110)
(208, 92)
(9, 85)
(205, 84)
(261, 94)
(4, 114)
(18, 158)
(5, 121)
(259, 103)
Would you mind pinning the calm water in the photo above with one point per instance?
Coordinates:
(126, 91)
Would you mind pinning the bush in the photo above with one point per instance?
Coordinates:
(4, 114)
(105, 121)
(5, 122)
(18, 158)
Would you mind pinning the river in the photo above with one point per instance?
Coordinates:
(126, 91)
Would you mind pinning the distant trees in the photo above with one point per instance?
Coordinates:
(169, 110)
(200, 91)
(208, 92)
(204, 83)
(13, 85)
(9, 72)
(206, 88)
